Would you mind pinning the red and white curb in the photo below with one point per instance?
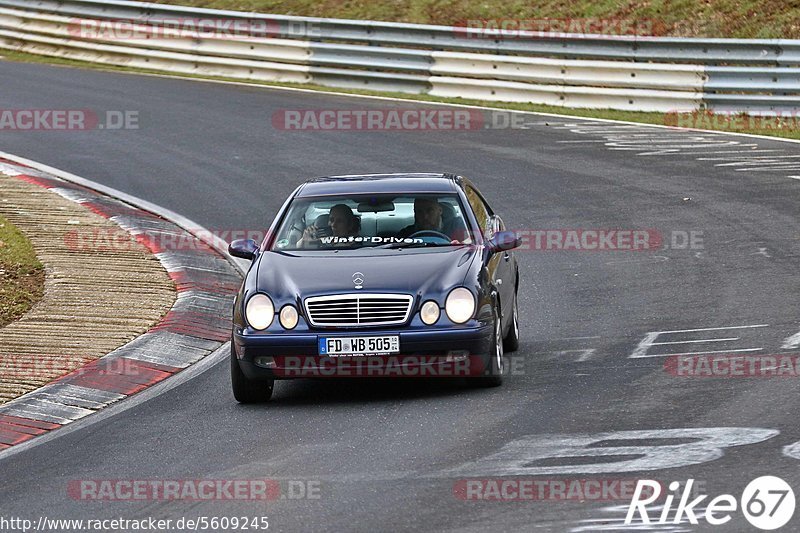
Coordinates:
(197, 325)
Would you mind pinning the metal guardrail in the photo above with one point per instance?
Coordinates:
(629, 73)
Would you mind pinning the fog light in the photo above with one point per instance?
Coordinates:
(265, 361)
(429, 312)
(454, 356)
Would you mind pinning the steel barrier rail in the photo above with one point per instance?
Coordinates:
(154, 59)
(244, 47)
(569, 72)
(281, 50)
(591, 97)
(606, 72)
(210, 65)
(566, 96)
(508, 68)
(52, 35)
(753, 79)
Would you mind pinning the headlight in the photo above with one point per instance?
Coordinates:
(288, 316)
(460, 305)
(429, 312)
(259, 311)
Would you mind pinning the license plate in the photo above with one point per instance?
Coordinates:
(339, 346)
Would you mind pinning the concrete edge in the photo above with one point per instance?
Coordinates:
(194, 331)
(192, 227)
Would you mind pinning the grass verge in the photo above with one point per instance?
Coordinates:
(786, 128)
(21, 274)
(743, 19)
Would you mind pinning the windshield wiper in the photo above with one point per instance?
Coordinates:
(409, 245)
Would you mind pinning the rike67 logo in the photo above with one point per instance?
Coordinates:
(767, 503)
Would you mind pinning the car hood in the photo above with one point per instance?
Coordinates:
(430, 272)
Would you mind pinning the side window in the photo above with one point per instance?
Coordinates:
(482, 212)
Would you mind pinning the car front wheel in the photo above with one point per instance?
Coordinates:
(494, 366)
(511, 341)
(248, 390)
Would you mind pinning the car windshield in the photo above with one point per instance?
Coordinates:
(373, 221)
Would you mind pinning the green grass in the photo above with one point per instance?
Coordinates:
(789, 130)
(746, 19)
(21, 274)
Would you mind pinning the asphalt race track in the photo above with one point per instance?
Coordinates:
(596, 325)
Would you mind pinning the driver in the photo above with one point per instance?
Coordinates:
(427, 217)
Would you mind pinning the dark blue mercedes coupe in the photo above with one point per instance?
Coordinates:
(386, 275)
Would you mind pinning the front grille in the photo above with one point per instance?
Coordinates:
(358, 309)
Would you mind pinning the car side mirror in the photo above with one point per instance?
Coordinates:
(244, 248)
(503, 241)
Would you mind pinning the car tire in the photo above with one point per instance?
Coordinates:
(511, 340)
(494, 370)
(248, 390)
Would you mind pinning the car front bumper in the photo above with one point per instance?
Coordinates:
(455, 352)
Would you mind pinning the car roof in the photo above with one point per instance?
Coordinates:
(379, 184)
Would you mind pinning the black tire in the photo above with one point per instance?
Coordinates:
(494, 372)
(511, 340)
(248, 390)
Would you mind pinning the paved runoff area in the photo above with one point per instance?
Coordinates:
(119, 312)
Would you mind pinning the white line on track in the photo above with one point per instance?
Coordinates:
(792, 342)
(783, 168)
(694, 341)
(649, 341)
(749, 157)
(714, 329)
(698, 353)
(702, 152)
(581, 355)
(682, 152)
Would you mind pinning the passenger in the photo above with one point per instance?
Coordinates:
(341, 222)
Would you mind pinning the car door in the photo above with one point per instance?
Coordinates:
(499, 266)
(506, 270)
